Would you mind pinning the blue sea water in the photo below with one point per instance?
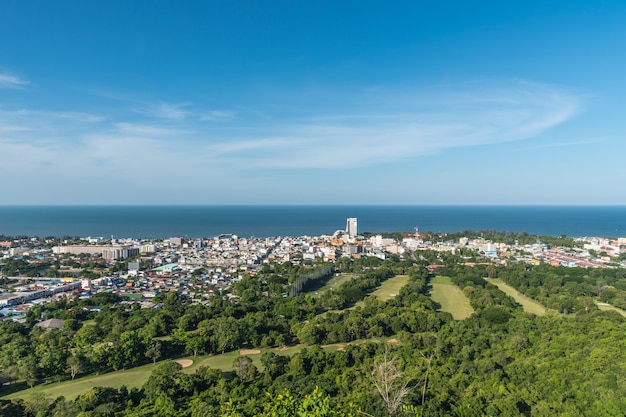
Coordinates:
(263, 221)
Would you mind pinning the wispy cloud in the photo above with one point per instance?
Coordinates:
(165, 111)
(216, 115)
(37, 125)
(336, 131)
(80, 117)
(145, 130)
(11, 81)
(393, 126)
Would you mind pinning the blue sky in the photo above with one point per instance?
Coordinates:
(312, 102)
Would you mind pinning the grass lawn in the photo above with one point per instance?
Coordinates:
(441, 280)
(132, 296)
(222, 362)
(450, 298)
(333, 282)
(134, 377)
(225, 361)
(529, 305)
(387, 290)
(605, 307)
(390, 288)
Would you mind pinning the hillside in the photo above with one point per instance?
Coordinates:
(498, 360)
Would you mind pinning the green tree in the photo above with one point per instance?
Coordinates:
(8, 374)
(245, 369)
(128, 351)
(163, 380)
(153, 351)
(315, 404)
(28, 370)
(96, 397)
(76, 363)
(274, 364)
(37, 404)
(311, 334)
(195, 344)
(226, 333)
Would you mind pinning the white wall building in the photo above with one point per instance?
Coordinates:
(351, 227)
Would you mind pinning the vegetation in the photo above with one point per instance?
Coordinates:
(499, 361)
(511, 238)
(567, 290)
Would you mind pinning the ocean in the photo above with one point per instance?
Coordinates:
(265, 221)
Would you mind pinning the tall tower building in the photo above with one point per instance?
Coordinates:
(351, 227)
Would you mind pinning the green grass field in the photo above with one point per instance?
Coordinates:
(529, 305)
(450, 298)
(225, 362)
(333, 282)
(605, 307)
(132, 296)
(390, 288)
(134, 377)
(387, 290)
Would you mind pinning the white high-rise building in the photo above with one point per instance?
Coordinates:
(351, 227)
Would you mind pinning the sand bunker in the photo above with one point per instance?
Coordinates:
(185, 363)
(249, 352)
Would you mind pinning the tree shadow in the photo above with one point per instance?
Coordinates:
(8, 389)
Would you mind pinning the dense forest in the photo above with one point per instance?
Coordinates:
(397, 357)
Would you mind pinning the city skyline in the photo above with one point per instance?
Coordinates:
(312, 103)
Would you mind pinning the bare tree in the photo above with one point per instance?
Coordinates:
(391, 383)
(429, 360)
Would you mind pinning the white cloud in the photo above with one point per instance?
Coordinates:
(216, 115)
(11, 81)
(367, 129)
(80, 117)
(394, 126)
(165, 111)
(145, 130)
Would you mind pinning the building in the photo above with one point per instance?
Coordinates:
(51, 324)
(176, 241)
(109, 253)
(148, 248)
(351, 227)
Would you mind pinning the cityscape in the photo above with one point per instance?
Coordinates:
(201, 268)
